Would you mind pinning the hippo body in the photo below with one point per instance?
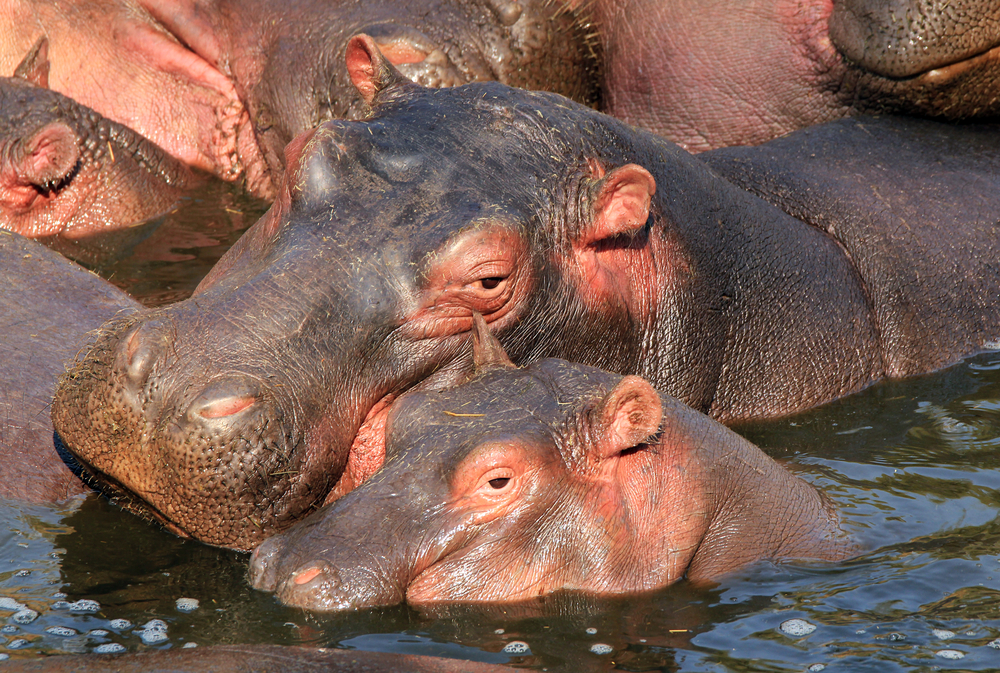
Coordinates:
(521, 482)
(223, 85)
(715, 73)
(48, 307)
(600, 244)
(68, 172)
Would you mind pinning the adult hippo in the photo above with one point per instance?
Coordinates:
(238, 411)
(66, 171)
(713, 73)
(223, 85)
(49, 308)
(522, 482)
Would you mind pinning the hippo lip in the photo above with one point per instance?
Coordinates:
(950, 71)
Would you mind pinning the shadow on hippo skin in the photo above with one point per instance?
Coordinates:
(601, 244)
(50, 308)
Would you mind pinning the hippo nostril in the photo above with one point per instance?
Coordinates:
(141, 349)
(223, 399)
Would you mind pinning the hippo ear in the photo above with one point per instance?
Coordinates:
(35, 66)
(628, 416)
(486, 350)
(620, 204)
(40, 163)
(370, 71)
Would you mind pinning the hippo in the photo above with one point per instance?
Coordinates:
(49, 307)
(223, 85)
(714, 73)
(557, 476)
(240, 410)
(244, 658)
(67, 171)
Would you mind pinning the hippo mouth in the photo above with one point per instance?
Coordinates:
(950, 71)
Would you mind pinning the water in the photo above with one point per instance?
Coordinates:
(912, 465)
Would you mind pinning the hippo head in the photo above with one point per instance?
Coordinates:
(930, 58)
(299, 81)
(234, 413)
(514, 484)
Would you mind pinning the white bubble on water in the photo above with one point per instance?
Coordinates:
(85, 606)
(187, 604)
(4, 657)
(499, 632)
(949, 654)
(188, 645)
(10, 604)
(943, 634)
(601, 648)
(60, 605)
(797, 627)
(18, 643)
(9, 628)
(591, 630)
(995, 643)
(25, 616)
(816, 667)
(120, 624)
(98, 633)
(152, 636)
(516, 647)
(64, 631)
(109, 648)
(59, 594)
(155, 625)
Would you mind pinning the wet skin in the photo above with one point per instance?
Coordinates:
(557, 476)
(239, 411)
(741, 72)
(223, 85)
(67, 172)
(49, 309)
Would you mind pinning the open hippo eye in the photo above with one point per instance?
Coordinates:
(499, 482)
(492, 282)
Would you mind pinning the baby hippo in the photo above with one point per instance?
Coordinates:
(521, 482)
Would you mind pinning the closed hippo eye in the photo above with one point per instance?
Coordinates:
(496, 481)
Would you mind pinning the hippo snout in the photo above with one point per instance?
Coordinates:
(314, 584)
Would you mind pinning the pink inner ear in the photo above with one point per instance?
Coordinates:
(631, 413)
(622, 205)
(361, 64)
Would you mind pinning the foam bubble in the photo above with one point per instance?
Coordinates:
(25, 616)
(592, 631)
(109, 648)
(64, 631)
(995, 643)
(816, 667)
(187, 604)
(152, 636)
(18, 643)
(85, 606)
(797, 627)
(516, 647)
(943, 634)
(601, 648)
(10, 604)
(98, 633)
(155, 625)
(4, 657)
(949, 654)
(120, 624)
(188, 645)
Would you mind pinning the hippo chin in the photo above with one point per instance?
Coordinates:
(521, 482)
(244, 408)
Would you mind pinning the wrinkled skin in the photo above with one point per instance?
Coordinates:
(522, 482)
(249, 658)
(223, 85)
(233, 414)
(715, 73)
(67, 172)
(49, 307)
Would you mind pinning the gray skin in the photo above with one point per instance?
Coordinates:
(715, 73)
(250, 658)
(554, 477)
(67, 172)
(49, 308)
(223, 85)
(238, 411)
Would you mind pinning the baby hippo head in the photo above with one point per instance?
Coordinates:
(521, 482)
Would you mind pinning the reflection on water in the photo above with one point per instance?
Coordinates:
(912, 464)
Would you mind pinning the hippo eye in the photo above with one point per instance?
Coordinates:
(492, 283)
(499, 482)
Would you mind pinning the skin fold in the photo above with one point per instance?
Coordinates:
(235, 413)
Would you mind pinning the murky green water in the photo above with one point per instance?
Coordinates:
(913, 466)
